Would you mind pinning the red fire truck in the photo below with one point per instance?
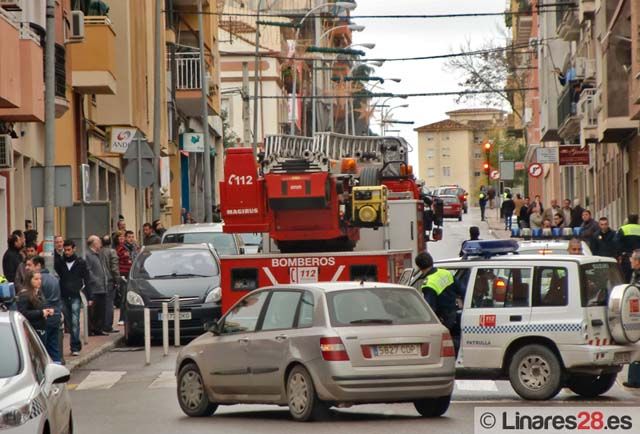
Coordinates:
(313, 196)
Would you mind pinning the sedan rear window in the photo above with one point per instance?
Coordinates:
(225, 244)
(378, 306)
(168, 264)
(9, 356)
(596, 282)
(451, 200)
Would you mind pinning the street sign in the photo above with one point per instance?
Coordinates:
(85, 175)
(520, 165)
(495, 174)
(192, 142)
(63, 193)
(574, 155)
(507, 170)
(535, 170)
(547, 155)
(146, 172)
(132, 150)
(120, 138)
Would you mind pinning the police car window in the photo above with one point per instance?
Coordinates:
(37, 354)
(596, 281)
(552, 286)
(244, 317)
(501, 287)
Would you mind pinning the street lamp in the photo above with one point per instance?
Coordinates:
(384, 117)
(343, 5)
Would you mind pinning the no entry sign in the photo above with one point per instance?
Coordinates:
(495, 174)
(535, 170)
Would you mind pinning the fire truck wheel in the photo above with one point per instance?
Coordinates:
(434, 407)
(370, 177)
(591, 386)
(535, 373)
(304, 404)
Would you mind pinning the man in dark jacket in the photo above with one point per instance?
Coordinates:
(51, 292)
(74, 277)
(576, 214)
(12, 257)
(111, 262)
(99, 281)
(30, 251)
(150, 236)
(603, 242)
(507, 208)
(523, 217)
(589, 226)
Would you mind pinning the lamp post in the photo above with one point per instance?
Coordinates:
(385, 117)
(342, 5)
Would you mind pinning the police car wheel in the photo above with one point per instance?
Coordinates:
(535, 373)
(591, 386)
(433, 407)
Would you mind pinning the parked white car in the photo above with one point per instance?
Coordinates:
(34, 396)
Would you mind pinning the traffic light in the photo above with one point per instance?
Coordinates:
(486, 167)
(487, 147)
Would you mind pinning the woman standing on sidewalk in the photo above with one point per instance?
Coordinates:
(124, 266)
(31, 303)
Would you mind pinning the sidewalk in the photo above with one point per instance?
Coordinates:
(496, 224)
(97, 346)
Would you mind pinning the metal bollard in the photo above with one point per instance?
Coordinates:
(84, 312)
(147, 336)
(176, 320)
(165, 328)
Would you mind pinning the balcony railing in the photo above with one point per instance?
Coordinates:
(564, 8)
(567, 109)
(189, 75)
(60, 72)
(587, 108)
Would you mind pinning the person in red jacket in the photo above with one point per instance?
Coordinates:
(124, 265)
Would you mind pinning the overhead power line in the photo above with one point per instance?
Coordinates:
(400, 95)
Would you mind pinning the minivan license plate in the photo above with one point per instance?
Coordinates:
(398, 350)
(172, 316)
(622, 358)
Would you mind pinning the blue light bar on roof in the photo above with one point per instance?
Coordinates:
(489, 248)
(7, 292)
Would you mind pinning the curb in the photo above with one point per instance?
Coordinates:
(78, 362)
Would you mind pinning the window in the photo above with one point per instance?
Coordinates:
(429, 138)
(244, 317)
(367, 273)
(281, 311)
(446, 171)
(37, 353)
(10, 355)
(430, 172)
(377, 306)
(305, 317)
(445, 152)
(551, 287)
(429, 154)
(446, 137)
(175, 264)
(477, 174)
(596, 280)
(477, 155)
(501, 287)
(225, 244)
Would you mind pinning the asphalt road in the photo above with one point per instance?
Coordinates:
(117, 393)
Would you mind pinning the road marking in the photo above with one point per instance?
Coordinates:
(477, 385)
(100, 380)
(166, 380)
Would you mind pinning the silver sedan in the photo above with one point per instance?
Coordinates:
(320, 345)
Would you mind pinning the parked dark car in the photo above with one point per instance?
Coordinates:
(160, 272)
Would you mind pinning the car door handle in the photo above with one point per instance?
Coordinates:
(281, 338)
(515, 318)
(243, 340)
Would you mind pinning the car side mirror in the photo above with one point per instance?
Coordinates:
(215, 329)
(57, 374)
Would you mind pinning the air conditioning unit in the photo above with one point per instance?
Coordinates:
(11, 5)
(76, 33)
(6, 152)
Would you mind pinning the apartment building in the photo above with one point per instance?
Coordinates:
(587, 56)
(450, 151)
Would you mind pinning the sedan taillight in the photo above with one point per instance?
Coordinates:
(333, 349)
(447, 349)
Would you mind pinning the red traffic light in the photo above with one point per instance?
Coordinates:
(486, 167)
(487, 147)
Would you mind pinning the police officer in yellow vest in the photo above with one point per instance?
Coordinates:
(483, 197)
(628, 240)
(440, 291)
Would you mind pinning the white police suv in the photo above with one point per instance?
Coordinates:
(544, 322)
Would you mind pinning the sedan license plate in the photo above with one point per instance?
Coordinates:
(172, 316)
(395, 350)
(622, 358)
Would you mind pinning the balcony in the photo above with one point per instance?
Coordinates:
(524, 23)
(568, 118)
(62, 104)
(586, 10)
(189, 85)
(190, 3)
(93, 60)
(585, 68)
(568, 25)
(9, 71)
(588, 114)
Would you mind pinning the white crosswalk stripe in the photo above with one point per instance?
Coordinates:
(477, 385)
(100, 380)
(166, 380)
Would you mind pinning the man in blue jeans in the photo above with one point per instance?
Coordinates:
(74, 277)
(51, 293)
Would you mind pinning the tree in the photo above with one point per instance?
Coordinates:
(229, 138)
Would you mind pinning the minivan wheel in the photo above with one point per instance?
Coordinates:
(535, 373)
(130, 338)
(192, 395)
(591, 386)
(304, 404)
(432, 407)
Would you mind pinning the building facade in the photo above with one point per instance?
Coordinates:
(451, 151)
